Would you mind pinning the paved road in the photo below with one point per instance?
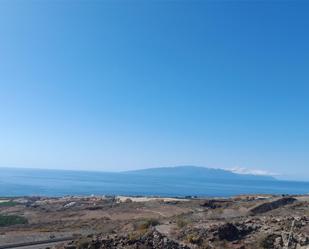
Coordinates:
(40, 246)
(37, 244)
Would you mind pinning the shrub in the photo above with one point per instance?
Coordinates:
(83, 243)
(8, 220)
(145, 224)
(181, 223)
(8, 204)
(194, 239)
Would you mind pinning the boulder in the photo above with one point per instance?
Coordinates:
(228, 232)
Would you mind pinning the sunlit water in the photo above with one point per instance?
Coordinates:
(22, 182)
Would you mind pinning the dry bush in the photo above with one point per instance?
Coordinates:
(181, 222)
(83, 243)
(193, 239)
(145, 224)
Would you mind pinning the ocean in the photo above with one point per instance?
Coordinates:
(36, 182)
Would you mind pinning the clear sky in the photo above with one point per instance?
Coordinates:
(116, 85)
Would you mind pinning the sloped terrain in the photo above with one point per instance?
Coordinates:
(245, 222)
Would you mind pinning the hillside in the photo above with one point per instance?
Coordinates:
(194, 172)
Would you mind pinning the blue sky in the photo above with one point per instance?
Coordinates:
(117, 85)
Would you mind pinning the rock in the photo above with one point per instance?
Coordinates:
(278, 243)
(150, 240)
(213, 204)
(270, 240)
(69, 247)
(228, 232)
(303, 240)
(268, 206)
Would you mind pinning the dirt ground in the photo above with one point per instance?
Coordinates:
(196, 223)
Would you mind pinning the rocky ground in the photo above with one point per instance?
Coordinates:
(278, 222)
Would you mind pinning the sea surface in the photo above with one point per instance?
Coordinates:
(33, 182)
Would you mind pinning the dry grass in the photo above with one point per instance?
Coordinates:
(144, 224)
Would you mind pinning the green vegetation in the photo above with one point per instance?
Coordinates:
(8, 204)
(8, 220)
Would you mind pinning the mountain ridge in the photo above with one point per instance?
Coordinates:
(190, 171)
